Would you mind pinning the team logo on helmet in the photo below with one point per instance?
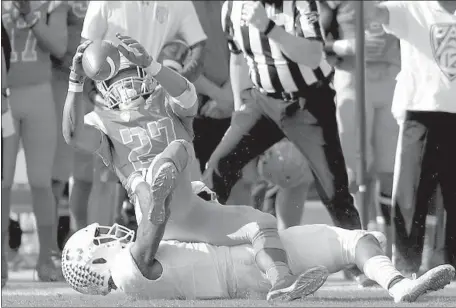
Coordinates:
(443, 43)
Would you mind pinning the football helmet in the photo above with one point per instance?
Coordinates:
(88, 253)
(284, 165)
(135, 84)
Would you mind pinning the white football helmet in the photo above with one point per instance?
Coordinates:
(88, 253)
(126, 89)
(284, 165)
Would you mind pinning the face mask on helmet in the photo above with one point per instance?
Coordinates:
(130, 84)
(88, 253)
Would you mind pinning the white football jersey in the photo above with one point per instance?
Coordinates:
(430, 34)
(203, 271)
(152, 23)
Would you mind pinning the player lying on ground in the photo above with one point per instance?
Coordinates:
(105, 258)
(145, 136)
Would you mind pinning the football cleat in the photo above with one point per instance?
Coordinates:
(162, 185)
(292, 287)
(408, 290)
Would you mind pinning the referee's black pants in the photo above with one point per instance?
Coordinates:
(426, 157)
(313, 128)
(208, 134)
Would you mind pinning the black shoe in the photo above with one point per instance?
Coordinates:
(63, 231)
(15, 234)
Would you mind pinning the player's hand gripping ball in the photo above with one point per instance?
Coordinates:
(101, 60)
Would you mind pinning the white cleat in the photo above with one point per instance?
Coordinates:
(292, 287)
(435, 279)
(162, 185)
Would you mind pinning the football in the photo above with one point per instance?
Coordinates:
(101, 60)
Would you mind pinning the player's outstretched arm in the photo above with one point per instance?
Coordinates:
(148, 235)
(176, 85)
(75, 131)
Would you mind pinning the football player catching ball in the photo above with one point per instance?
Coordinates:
(145, 136)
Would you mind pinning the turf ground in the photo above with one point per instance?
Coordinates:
(23, 291)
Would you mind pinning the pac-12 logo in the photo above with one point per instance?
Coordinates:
(443, 43)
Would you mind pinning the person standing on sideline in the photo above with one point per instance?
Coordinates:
(426, 148)
(7, 131)
(213, 85)
(37, 29)
(382, 66)
(68, 161)
(291, 97)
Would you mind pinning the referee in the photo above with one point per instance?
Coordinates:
(291, 97)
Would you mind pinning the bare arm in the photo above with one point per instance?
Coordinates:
(193, 69)
(148, 235)
(338, 47)
(75, 131)
(298, 49)
(239, 76)
(53, 35)
(306, 47)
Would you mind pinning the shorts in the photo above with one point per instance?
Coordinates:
(381, 128)
(33, 111)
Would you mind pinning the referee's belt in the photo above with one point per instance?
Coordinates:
(294, 96)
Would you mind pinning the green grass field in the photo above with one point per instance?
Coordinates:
(21, 291)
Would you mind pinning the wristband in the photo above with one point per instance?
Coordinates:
(153, 68)
(76, 78)
(75, 87)
(271, 25)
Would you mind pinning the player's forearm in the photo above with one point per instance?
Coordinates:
(73, 117)
(174, 83)
(341, 48)
(194, 68)
(148, 238)
(239, 76)
(50, 38)
(300, 50)
(206, 87)
(227, 144)
(148, 235)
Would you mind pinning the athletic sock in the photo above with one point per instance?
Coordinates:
(381, 270)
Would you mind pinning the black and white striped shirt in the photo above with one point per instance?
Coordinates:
(270, 69)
